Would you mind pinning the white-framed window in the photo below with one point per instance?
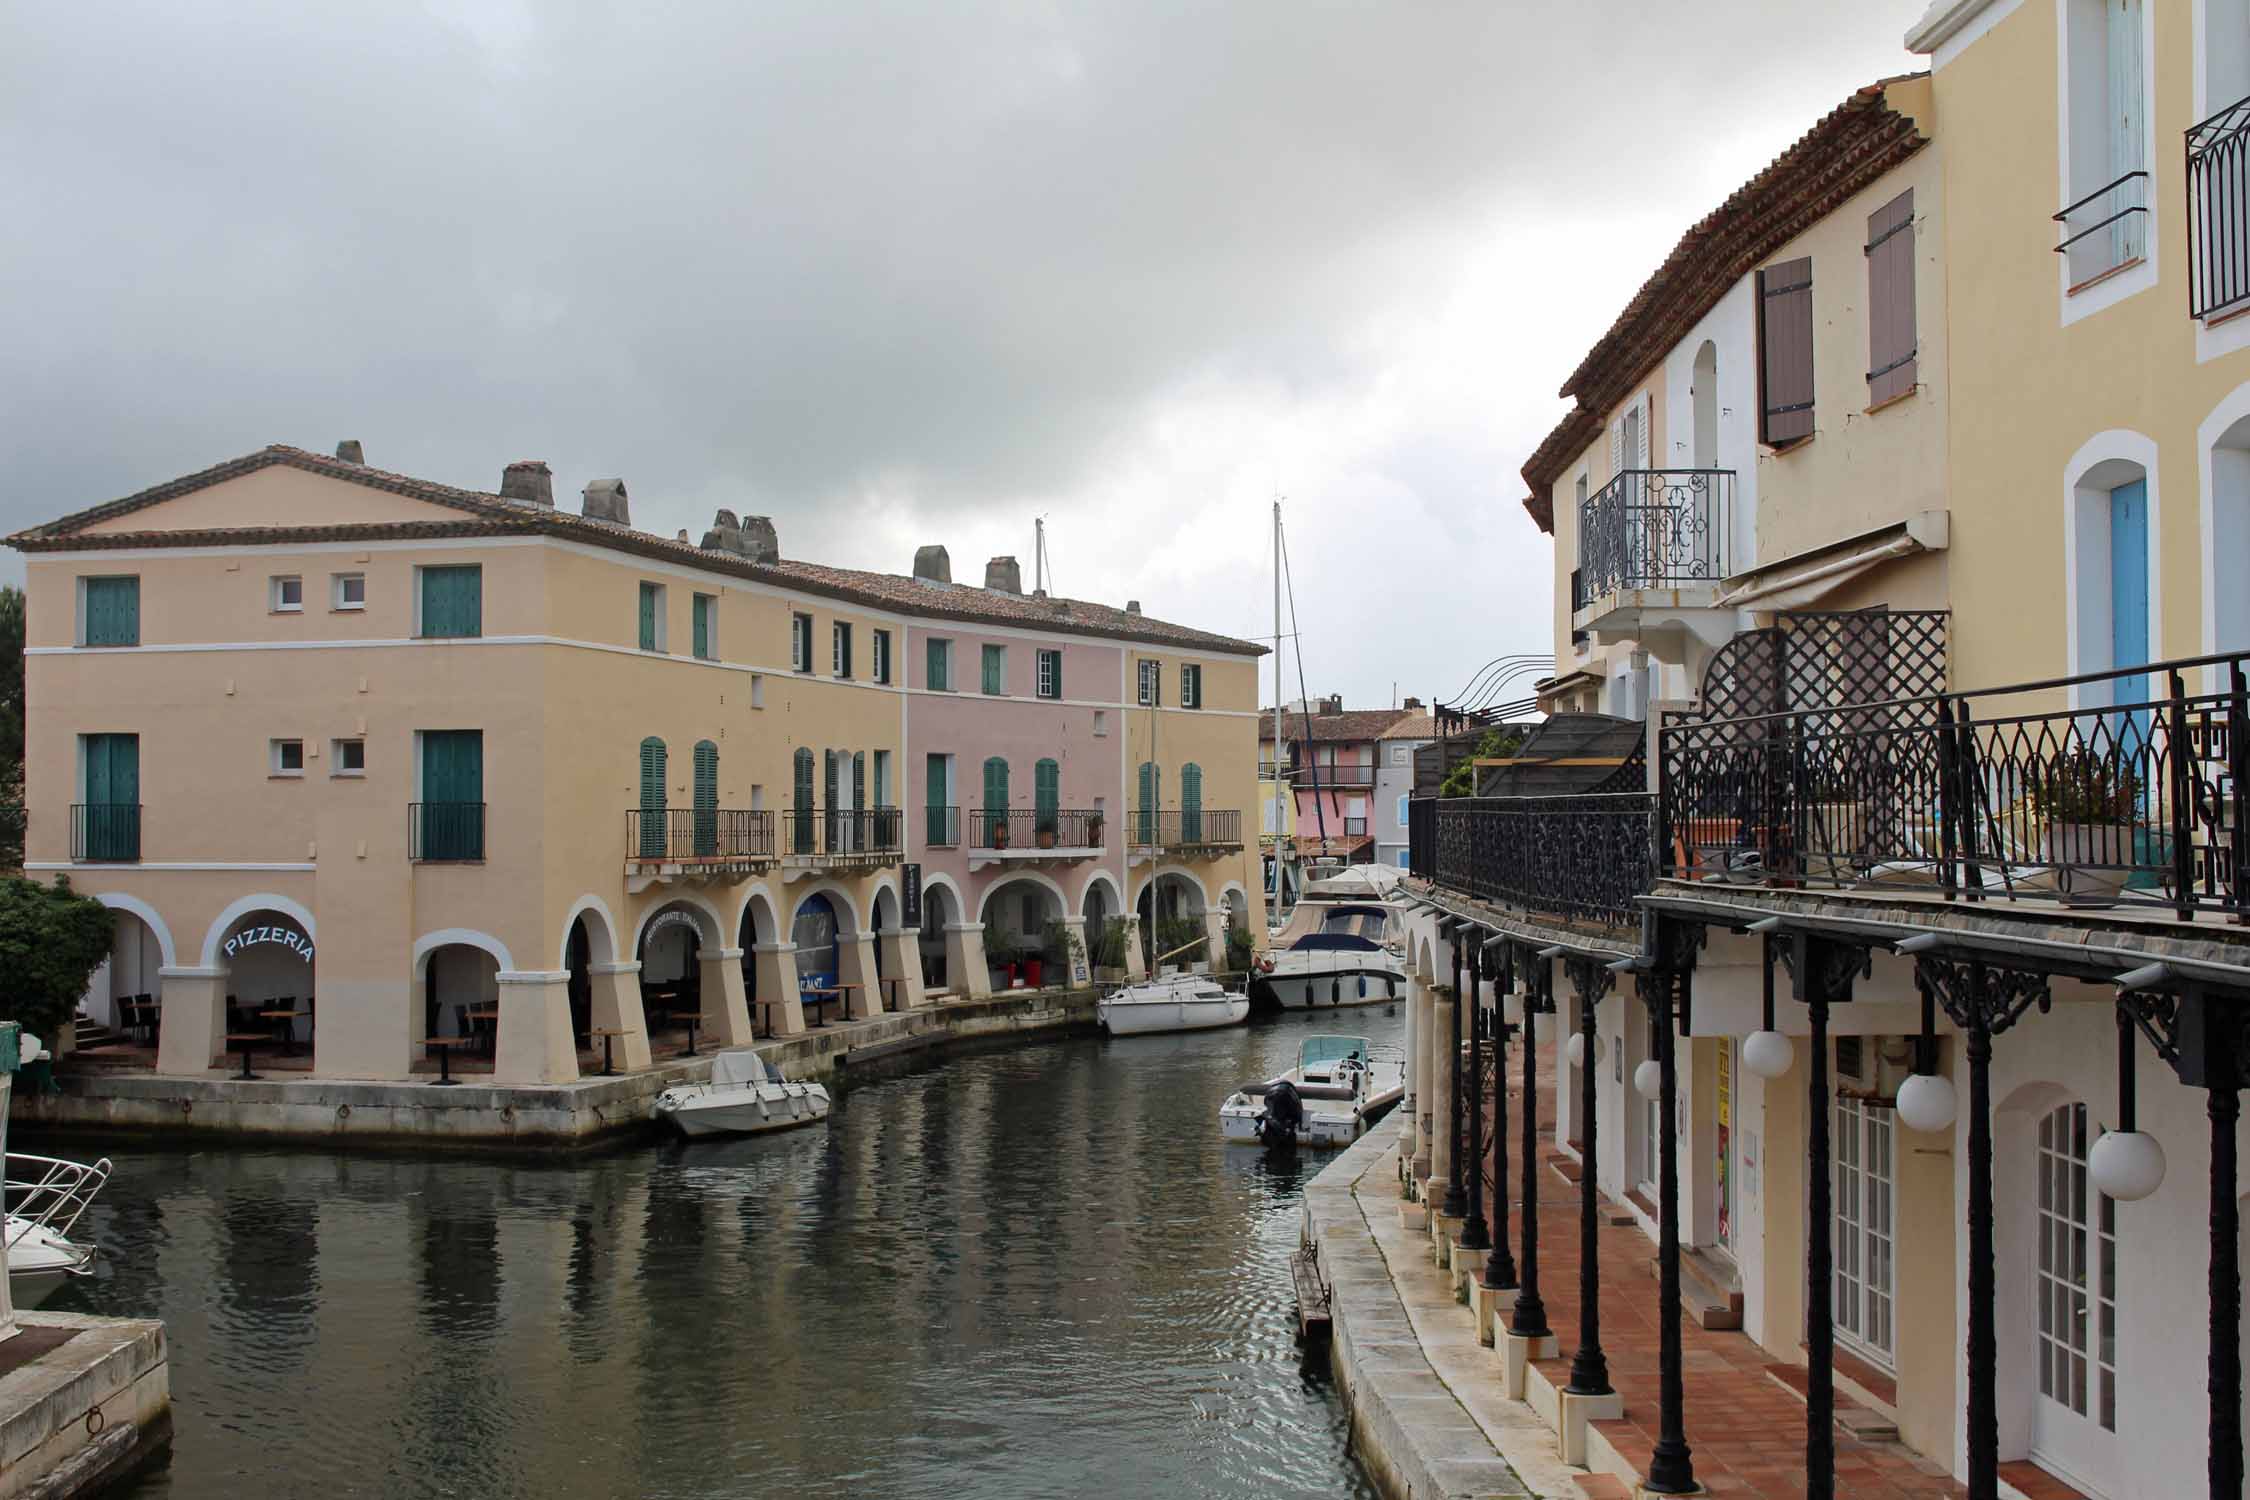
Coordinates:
(347, 591)
(1101, 724)
(2106, 229)
(800, 643)
(1403, 799)
(880, 650)
(347, 757)
(285, 594)
(285, 757)
(1152, 682)
(1865, 1234)
(840, 649)
(2076, 1294)
(1049, 665)
(1191, 685)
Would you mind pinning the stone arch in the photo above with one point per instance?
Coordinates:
(941, 908)
(1102, 880)
(758, 919)
(601, 930)
(883, 911)
(236, 911)
(140, 950)
(848, 920)
(117, 901)
(466, 937)
(1018, 877)
(707, 927)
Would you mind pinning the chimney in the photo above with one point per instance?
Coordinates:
(1002, 576)
(605, 500)
(1132, 606)
(753, 540)
(348, 452)
(1333, 705)
(931, 564)
(1413, 704)
(530, 481)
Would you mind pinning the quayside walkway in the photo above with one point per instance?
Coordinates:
(1745, 1421)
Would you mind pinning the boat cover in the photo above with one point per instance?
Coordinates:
(739, 1066)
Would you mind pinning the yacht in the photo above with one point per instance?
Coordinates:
(1342, 945)
(45, 1196)
(1339, 1087)
(1172, 1002)
(744, 1097)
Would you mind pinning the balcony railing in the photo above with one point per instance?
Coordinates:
(1302, 774)
(2115, 789)
(105, 831)
(1210, 828)
(1355, 828)
(444, 832)
(842, 833)
(2218, 178)
(1655, 529)
(1028, 828)
(1579, 858)
(723, 834)
(2105, 230)
(941, 827)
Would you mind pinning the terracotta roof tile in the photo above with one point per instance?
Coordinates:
(1352, 724)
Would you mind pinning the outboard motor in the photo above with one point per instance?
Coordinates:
(1284, 1116)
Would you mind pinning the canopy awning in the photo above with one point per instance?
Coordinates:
(1807, 578)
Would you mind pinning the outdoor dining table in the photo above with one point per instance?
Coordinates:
(445, 1046)
(821, 995)
(688, 1018)
(609, 1034)
(285, 1025)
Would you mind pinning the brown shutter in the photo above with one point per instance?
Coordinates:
(1785, 363)
(1890, 300)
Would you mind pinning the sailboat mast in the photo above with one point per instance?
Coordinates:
(1283, 792)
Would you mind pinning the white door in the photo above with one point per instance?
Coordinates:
(1864, 1198)
(2074, 1415)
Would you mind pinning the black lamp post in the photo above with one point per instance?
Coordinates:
(1589, 1368)
(1473, 1233)
(1456, 1204)
(1500, 1265)
(1529, 1319)
(1671, 1468)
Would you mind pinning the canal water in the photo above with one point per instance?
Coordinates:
(1011, 1273)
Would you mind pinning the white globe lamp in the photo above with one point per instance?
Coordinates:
(1926, 1103)
(2126, 1165)
(1648, 1079)
(1575, 1048)
(1768, 1054)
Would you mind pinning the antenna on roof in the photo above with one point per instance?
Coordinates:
(1041, 572)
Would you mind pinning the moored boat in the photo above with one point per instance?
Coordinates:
(1172, 1002)
(1341, 945)
(744, 1097)
(45, 1196)
(1339, 1087)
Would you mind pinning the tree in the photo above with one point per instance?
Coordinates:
(1461, 781)
(51, 941)
(11, 684)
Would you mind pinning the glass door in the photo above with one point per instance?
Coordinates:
(1863, 1237)
(2074, 1418)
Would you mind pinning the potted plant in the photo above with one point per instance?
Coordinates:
(1094, 829)
(2088, 807)
(1000, 831)
(1045, 835)
(1238, 948)
(1003, 961)
(1066, 951)
(1181, 942)
(1109, 951)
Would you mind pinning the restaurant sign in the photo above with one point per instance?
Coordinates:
(910, 897)
(286, 937)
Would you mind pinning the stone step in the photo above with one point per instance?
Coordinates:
(1709, 1292)
(1851, 1417)
(1599, 1487)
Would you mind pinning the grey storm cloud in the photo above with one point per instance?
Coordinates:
(802, 258)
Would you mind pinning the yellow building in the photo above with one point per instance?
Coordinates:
(542, 782)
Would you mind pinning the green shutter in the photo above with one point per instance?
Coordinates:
(1149, 789)
(452, 602)
(934, 801)
(453, 794)
(113, 611)
(648, 617)
(706, 797)
(653, 840)
(113, 796)
(801, 811)
(995, 793)
(993, 662)
(843, 650)
(703, 603)
(1191, 803)
(933, 674)
(1054, 676)
(1046, 781)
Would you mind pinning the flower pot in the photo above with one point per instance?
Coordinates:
(1033, 970)
(999, 835)
(1094, 833)
(2077, 849)
(1046, 838)
(1009, 972)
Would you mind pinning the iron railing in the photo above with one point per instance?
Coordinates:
(2218, 188)
(941, 827)
(2112, 788)
(1302, 773)
(1580, 858)
(105, 831)
(1655, 528)
(705, 833)
(842, 832)
(1029, 828)
(1211, 828)
(2105, 229)
(444, 832)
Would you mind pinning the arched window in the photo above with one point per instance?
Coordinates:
(1706, 391)
(801, 803)
(706, 798)
(652, 798)
(1047, 788)
(995, 800)
(1145, 819)
(1191, 803)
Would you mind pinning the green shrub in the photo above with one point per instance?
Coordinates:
(51, 941)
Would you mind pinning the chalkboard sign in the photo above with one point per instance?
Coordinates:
(910, 897)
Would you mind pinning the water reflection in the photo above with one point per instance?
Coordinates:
(1031, 1272)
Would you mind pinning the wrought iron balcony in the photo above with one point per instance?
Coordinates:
(1654, 529)
(941, 827)
(1579, 858)
(104, 832)
(833, 835)
(2105, 231)
(699, 835)
(1023, 829)
(445, 832)
(2218, 178)
(1208, 828)
(2133, 797)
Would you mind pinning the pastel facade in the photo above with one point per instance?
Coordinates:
(487, 766)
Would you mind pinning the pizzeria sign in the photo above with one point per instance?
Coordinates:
(284, 937)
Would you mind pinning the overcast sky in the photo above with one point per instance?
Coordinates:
(896, 273)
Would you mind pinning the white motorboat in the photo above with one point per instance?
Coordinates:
(1342, 944)
(45, 1196)
(1172, 1002)
(744, 1097)
(1340, 1086)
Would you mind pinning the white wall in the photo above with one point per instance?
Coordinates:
(1732, 327)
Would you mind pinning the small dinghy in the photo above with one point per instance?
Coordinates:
(1174, 1002)
(45, 1195)
(744, 1097)
(1340, 1086)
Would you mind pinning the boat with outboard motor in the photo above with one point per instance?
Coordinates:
(1342, 945)
(44, 1197)
(745, 1096)
(1172, 1002)
(1340, 1086)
